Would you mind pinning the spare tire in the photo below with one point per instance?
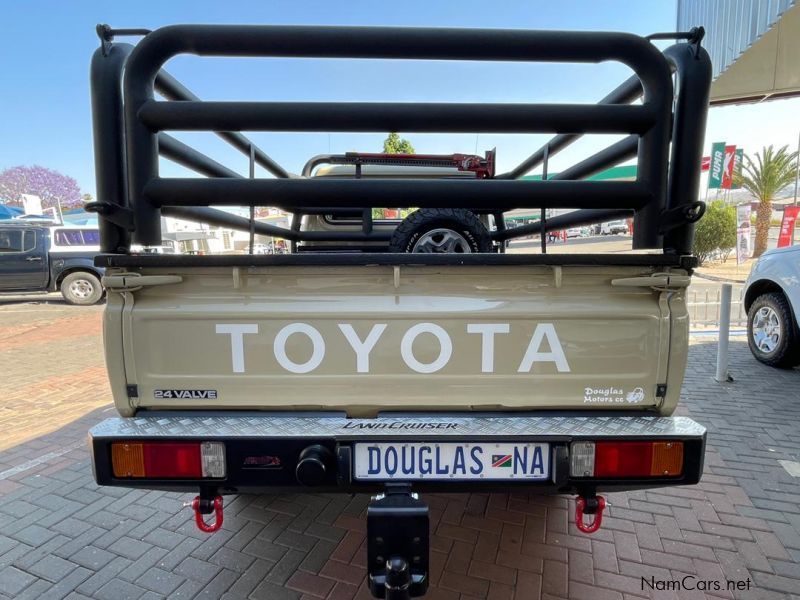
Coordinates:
(441, 230)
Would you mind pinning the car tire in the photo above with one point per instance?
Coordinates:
(81, 288)
(441, 231)
(772, 331)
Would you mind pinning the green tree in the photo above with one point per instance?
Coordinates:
(764, 177)
(394, 144)
(715, 232)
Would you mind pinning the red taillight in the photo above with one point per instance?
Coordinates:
(168, 460)
(623, 459)
(626, 459)
(165, 460)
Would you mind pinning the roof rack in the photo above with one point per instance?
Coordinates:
(130, 125)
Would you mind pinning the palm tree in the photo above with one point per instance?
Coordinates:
(763, 178)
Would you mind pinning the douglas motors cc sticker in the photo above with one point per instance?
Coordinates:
(612, 395)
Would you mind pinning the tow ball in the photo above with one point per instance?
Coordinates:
(590, 504)
(206, 505)
(397, 544)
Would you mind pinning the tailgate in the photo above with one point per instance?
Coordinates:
(371, 338)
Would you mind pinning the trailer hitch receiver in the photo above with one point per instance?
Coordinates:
(397, 544)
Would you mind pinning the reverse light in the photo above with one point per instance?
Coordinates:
(626, 459)
(168, 460)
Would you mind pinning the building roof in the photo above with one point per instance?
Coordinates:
(753, 44)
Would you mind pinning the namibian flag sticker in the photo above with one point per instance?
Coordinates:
(501, 460)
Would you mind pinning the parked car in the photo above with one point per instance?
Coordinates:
(40, 258)
(614, 228)
(772, 301)
(574, 232)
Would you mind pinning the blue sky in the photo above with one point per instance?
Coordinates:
(46, 47)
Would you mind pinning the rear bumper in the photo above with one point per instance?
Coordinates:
(262, 450)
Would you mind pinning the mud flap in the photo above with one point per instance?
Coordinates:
(398, 544)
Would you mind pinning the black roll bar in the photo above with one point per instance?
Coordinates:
(134, 195)
(108, 136)
(387, 116)
(441, 193)
(144, 116)
(693, 68)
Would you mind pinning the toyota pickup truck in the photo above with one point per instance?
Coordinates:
(404, 353)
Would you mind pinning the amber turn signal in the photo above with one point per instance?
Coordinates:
(127, 460)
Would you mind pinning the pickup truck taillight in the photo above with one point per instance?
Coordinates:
(626, 459)
(168, 460)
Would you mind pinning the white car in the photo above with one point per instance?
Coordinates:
(614, 227)
(772, 301)
(574, 232)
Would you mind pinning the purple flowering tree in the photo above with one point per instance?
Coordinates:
(51, 186)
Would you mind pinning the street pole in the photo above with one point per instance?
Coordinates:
(722, 374)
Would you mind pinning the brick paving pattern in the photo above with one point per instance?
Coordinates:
(63, 537)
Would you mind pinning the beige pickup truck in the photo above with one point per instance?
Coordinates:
(404, 350)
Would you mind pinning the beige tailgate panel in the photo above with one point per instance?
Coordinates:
(379, 337)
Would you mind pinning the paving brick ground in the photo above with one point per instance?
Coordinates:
(62, 536)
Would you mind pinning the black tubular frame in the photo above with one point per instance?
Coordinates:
(130, 124)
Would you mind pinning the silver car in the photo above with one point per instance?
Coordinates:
(772, 301)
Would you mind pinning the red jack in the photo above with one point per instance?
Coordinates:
(593, 505)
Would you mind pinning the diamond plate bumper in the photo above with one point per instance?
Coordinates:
(263, 451)
(541, 428)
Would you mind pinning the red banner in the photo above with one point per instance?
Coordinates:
(790, 214)
(727, 171)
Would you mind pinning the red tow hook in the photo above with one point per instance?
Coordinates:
(198, 513)
(594, 506)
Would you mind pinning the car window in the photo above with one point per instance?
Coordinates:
(11, 241)
(91, 237)
(29, 241)
(77, 237)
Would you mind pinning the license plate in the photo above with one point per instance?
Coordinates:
(451, 461)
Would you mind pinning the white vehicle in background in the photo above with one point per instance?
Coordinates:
(576, 232)
(772, 301)
(614, 228)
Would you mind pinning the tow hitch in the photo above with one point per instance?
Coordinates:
(203, 505)
(397, 544)
(590, 504)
